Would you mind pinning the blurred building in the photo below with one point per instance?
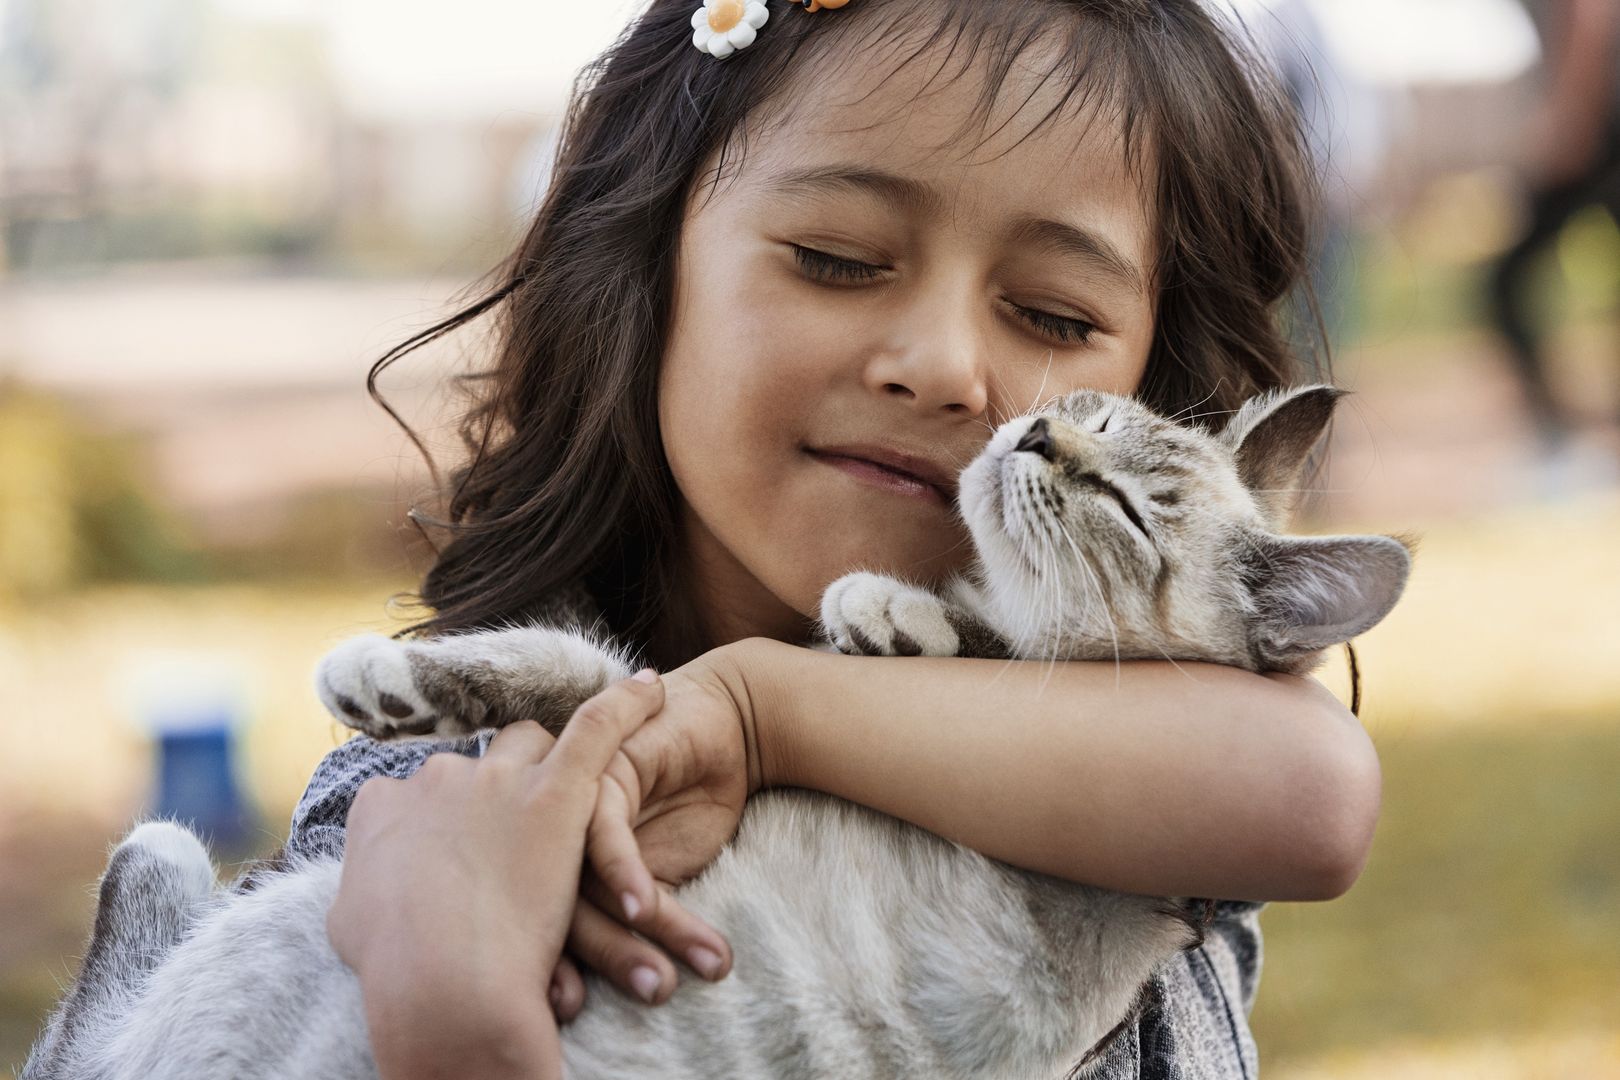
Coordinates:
(185, 128)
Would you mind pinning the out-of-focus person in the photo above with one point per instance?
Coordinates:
(1572, 162)
(1347, 124)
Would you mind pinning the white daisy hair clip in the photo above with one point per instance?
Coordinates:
(721, 27)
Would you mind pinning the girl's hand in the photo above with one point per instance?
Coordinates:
(458, 887)
(694, 765)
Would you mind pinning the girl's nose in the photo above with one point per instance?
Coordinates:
(936, 359)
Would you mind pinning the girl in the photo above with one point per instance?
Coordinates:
(771, 303)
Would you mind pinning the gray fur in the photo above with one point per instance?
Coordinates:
(864, 947)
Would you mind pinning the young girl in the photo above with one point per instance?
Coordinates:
(782, 287)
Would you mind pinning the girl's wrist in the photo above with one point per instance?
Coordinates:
(499, 1036)
(758, 673)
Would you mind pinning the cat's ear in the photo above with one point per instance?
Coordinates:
(1271, 438)
(1311, 592)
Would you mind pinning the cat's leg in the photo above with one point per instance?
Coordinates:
(154, 883)
(454, 685)
(877, 615)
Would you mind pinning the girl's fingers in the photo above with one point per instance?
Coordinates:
(668, 924)
(610, 845)
(593, 734)
(633, 965)
(523, 741)
(567, 991)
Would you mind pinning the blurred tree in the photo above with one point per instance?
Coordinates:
(73, 506)
(79, 85)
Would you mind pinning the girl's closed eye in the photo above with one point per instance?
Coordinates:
(1067, 330)
(820, 266)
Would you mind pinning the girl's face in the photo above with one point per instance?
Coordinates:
(870, 291)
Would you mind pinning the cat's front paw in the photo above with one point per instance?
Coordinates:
(874, 615)
(368, 684)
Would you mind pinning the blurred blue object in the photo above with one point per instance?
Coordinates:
(196, 783)
(192, 704)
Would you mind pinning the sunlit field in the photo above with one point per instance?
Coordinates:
(1480, 941)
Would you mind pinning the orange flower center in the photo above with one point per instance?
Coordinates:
(725, 14)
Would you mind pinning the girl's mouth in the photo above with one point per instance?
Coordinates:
(887, 477)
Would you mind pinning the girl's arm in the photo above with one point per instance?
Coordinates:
(1182, 779)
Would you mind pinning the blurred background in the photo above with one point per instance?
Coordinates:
(214, 214)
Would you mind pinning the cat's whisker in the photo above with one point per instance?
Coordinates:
(1042, 387)
(1057, 593)
(1029, 513)
(1095, 582)
(1051, 599)
(1302, 491)
(1001, 394)
(953, 547)
(1058, 620)
(1175, 665)
(1180, 415)
(1199, 416)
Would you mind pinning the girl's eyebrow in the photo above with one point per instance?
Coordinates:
(1084, 244)
(921, 199)
(904, 192)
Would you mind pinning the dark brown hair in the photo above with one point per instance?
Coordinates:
(565, 480)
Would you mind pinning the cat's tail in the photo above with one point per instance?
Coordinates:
(155, 881)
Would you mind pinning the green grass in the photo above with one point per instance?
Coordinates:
(1488, 906)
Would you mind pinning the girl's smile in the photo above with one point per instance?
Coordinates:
(892, 471)
(876, 285)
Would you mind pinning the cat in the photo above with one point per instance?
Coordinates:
(863, 946)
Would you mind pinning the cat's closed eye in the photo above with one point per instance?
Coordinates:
(1097, 483)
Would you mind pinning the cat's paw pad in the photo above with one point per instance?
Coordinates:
(873, 615)
(367, 683)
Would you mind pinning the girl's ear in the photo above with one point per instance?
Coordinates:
(1314, 591)
(1271, 438)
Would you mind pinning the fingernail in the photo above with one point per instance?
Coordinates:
(632, 906)
(646, 675)
(706, 961)
(646, 981)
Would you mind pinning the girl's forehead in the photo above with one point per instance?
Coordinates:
(917, 137)
(933, 102)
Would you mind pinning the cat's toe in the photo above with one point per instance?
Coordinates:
(367, 683)
(855, 612)
(842, 611)
(874, 615)
(920, 625)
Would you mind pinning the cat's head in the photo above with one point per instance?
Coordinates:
(1102, 526)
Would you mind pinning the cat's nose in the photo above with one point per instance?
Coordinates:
(1037, 440)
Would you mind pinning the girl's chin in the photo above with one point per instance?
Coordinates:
(920, 559)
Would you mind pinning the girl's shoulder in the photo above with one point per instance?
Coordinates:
(319, 818)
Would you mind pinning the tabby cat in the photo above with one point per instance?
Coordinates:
(863, 946)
